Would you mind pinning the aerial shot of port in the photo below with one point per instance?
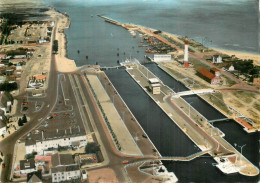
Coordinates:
(129, 91)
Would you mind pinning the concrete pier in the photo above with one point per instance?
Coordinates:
(197, 128)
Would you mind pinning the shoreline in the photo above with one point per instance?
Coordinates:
(239, 54)
(63, 63)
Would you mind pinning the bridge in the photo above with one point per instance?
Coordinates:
(192, 92)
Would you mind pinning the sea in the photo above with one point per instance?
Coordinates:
(224, 24)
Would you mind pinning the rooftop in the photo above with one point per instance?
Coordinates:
(65, 168)
(53, 134)
(27, 164)
(62, 160)
(206, 73)
(154, 80)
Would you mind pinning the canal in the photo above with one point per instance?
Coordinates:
(171, 141)
(204, 108)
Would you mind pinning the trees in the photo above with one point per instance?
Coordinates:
(8, 86)
(20, 122)
(92, 147)
(24, 119)
(55, 46)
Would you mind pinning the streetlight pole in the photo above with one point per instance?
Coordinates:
(124, 116)
(114, 99)
(189, 107)
(241, 147)
(136, 138)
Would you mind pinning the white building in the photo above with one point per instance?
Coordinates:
(52, 140)
(217, 59)
(64, 168)
(155, 86)
(231, 68)
(5, 103)
(162, 58)
(20, 57)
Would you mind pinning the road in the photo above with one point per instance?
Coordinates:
(7, 145)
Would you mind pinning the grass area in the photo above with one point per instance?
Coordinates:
(217, 100)
(179, 76)
(237, 103)
(198, 64)
(257, 106)
(174, 73)
(253, 116)
(229, 81)
(246, 97)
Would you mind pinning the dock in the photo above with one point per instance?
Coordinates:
(199, 130)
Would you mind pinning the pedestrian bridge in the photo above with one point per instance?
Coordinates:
(192, 92)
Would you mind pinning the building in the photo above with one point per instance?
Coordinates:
(256, 81)
(208, 76)
(19, 56)
(27, 166)
(43, 163)
(217, 59)
(215, 71)
(40, 77)
(5, 103)
(231, 68)
(86, 159)
(45, 141)
(34, 177)
(84, 174)
(3, 129)
(162, 58)
(186, 53)
(64, 168)
(155, 86)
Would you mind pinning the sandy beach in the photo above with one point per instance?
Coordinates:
(62, 62)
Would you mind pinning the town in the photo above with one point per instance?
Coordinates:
(63, 123)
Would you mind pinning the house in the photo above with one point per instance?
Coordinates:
(231, 68)
(42, 41)
(208, 76)
(217, 59)
(27, 166)
(215, 71)
(64, 168)
(3, 119)
(43, 163)
(84, 174)
(34, 177)
(40, 77)
(43, 141)
(20, 57)
(5, 103)
(256, 81)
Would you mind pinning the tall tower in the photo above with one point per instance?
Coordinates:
(186, 53)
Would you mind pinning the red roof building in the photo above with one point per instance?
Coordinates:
(208, 76)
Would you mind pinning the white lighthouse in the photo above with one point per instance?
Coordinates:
(186, 53)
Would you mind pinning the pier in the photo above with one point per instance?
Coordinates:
(109, 20)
